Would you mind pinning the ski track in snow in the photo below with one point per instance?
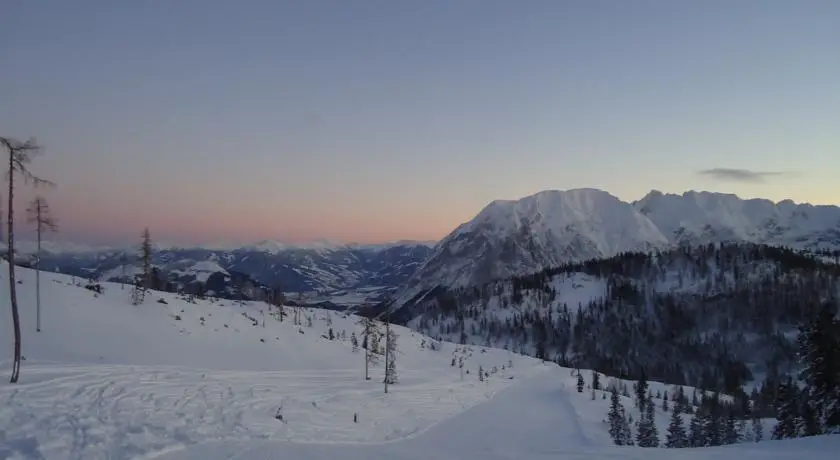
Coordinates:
(81, 412)
(198, 380)
(524, 421)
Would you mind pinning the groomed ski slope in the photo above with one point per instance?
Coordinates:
(532, 420)
(109, 380)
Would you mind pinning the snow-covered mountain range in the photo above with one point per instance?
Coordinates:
(517, 237)
(288, 268)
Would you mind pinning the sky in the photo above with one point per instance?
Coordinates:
(377, 120)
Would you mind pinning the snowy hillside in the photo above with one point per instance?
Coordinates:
(141, 379)
(513, 238)
(715, 316)
(175, 379)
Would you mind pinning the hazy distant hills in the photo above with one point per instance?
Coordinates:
(284, 267)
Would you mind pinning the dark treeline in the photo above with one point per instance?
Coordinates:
(713, 317)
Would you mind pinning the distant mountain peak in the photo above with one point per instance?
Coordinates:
(516, 237)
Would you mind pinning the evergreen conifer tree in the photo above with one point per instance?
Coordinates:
(730, 429)
(819, 352)
(391, 361)
(695, 436)
(641, 392)
(711, 418)
(647, 434)
(616, 420)
(676, 436)
(757, 429)
(808, 423)
(743, 433)
(786, 412)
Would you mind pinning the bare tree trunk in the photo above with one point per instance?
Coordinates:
(12, 282)
(367, 355)
(38, 276)
(20, 154)
(39, 213)
(387, 349)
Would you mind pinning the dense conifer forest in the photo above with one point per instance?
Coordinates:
(717, 317)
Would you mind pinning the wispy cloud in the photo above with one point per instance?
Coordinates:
(741, 175)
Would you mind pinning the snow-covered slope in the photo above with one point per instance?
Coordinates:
(106, 379)
(511, 238)
(202, 270)
(181, 380)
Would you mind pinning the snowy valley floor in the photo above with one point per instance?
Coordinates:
(188, 381)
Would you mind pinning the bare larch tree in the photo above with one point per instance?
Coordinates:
(20, 155)
(370, 342)
(390, 356)
(39, 214)
(143, 282)
(147, 259)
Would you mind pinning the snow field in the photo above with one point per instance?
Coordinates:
(196, 380)
(106, 379)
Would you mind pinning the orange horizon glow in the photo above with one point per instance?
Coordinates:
(96, 217)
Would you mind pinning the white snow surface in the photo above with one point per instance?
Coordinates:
(108, 380)
(122, 271)
(202, 270)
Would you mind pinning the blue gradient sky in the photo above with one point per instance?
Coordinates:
(365, 121)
